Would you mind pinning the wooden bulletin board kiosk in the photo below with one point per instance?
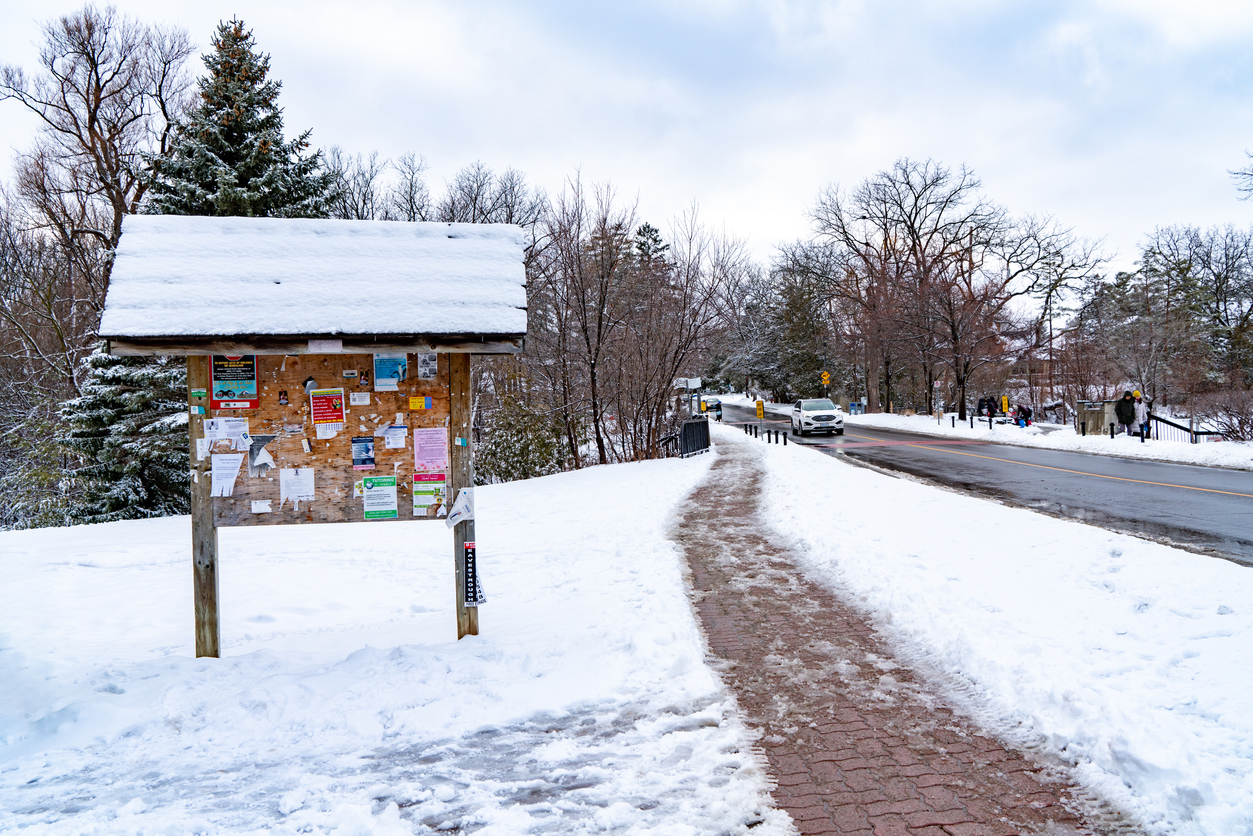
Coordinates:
(328, 368)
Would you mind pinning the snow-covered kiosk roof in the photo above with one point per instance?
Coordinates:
(198, 285)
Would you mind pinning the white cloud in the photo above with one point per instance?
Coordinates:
(1115, 117)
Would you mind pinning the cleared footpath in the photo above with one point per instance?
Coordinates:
(857, 743)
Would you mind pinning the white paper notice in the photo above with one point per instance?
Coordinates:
(428, 366)
(225, 469)
(430, 448)
(202, 448)
(234, 430)
(261, 506)
(263, 459)
(326, 431)
(462, 508)
(394, 437)
(358, 398)
(296, 484)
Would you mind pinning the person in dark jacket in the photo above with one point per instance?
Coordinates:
(1125, 412)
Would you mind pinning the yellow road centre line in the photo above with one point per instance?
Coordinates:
(1062, 469)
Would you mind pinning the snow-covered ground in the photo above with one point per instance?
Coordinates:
(1237, 455)
(343, 705)
(1130, 660)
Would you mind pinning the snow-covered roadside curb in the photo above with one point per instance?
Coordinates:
(343, 706)
(1126, 658)
(1233, 455)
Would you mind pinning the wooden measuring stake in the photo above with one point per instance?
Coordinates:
(460, 475)
(204, 533)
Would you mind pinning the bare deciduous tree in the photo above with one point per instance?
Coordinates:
(107, 93)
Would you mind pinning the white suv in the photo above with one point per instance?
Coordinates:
(817, 415)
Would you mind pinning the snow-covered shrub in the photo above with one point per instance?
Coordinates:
(518, 443)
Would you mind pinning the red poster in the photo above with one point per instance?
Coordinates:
(327, 406)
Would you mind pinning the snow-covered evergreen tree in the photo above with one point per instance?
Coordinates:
(129, 428)
(228, 156)
(518, 443)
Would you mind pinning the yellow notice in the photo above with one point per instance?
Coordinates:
(419, 402)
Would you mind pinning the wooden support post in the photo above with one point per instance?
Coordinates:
(461, 475)
(204, 534)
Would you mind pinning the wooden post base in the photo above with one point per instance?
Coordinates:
(204, 534)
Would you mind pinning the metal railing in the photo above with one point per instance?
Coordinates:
(1164, 429)
(692, 438)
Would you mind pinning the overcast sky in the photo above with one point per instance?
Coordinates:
(1115, 116)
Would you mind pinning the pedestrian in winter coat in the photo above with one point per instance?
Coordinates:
(1142, 413)
(1125, 412)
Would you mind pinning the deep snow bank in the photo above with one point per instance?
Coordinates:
(342, 703)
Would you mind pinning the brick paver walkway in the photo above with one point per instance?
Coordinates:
(857, 743)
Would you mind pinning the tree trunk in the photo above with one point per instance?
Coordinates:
(596, 414)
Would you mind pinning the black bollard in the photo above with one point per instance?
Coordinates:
(972, 422)
(989, 419)
(954, 422)
(1083, 428)
(1111, 432)
(1142, 435)
(785, 439)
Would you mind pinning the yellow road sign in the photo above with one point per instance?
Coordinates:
(761, 409)
(826, 378)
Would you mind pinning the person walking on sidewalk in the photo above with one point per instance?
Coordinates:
(1142, 414)
(1125, 412)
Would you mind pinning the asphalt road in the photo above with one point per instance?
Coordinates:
(1206, 509)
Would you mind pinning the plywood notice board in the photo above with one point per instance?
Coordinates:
(416, 404)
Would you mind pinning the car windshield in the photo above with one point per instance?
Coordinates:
(818, 405)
